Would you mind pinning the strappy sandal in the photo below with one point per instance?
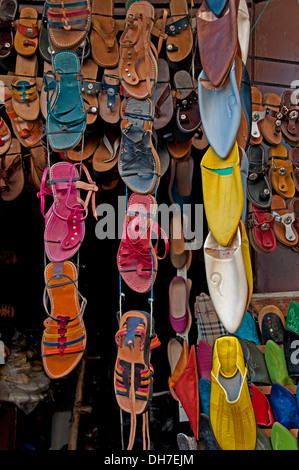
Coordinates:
(137, 258)
(187, 115)
(180, 38)
(28, 133)
(68, 26)
(65, 219)
(11, 172)
(8, 9)
(285, 232)
(64, 336)
(26, 38)
(25, 98)
(109, 97)
(106, 155)
(133, 372)
(103, 36)
(280, 173)
(260, 229)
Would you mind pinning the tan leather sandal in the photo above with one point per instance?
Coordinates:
(103, 36)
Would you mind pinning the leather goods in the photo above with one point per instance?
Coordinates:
(256, 363)
(218, 7)
(204, 359)
(206, 433)
(180, 181)
(284, 406)
(243, 22)
(179, 150)
(262, 409)
(186, 389)
(245, 95)
(248, 329)
(258, 187)
(12, 177)
(137, 258)
(199, 140)
(293, 206)
(26, 37)
(106, 155)
(38, 163)
(227, 280)
(204, 390)
(222, 177)
(217, 38)
(177, 353)
(284, 225)
(133, 372)
(280, 173)
(67, 117)
(109, 97)
(258, 114)
(293, 155)
(272, 323)
(263, 442)
(5, 137)
(48, 83)
(292, 318)
(178, 254)
(276, 364)
(180, 39)
(209, 325)
(28, 133)
(64, 337)
(290, 348)
(289, 117)
(8, 10)
(282, 438)
(163, 97)
(103, 35)
(244, 167)
(138, 70)
(247, 261)
(25, 98)
(231, 411)
(243, 131)
(220, 126)
(89, 90)
(260, 229)
(164, 158)
(138, 164)
(187, 115)
(65, 219)
(79, 154)
(68, 23)
(270, 125)
(179, 311)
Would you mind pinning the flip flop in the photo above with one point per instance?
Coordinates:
(293, 156)
(38, 163)
(163, 97)
(64, 336)
(78, 154)
(8, 10)
(106, 155)
(271, 124)
(283, 227)
(180, 38)
(260, 229)
(281, 170)
(109, 96)
(26, 37)
(272, 324)
(258, 114)
(11, 172)
(290, 117)
(187, 115)
(258, 187)
(103, 35)
(68, 28)
(90, 89)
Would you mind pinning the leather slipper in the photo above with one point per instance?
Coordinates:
(180, 38)
(109, 97)
(90, 90)
(243, 21)
(103, 35)
(11, 172)
(187, 115)
(260, 229)
(179, 255)
(247, 262)
(242, 134)
(177, 353)
(106, 155)
(258, 187)
(272, 324)
(8, 10)
(293, 155)
(64, 337)
(280, 173)
(222, 47)
(78, 153)
(38, 163)
(163, 97)
(284, 405)
(258, 114)
(271, 125)
(26, 37)
(68, 29)
(290, 117)
(284, 222)
(5, 137)
(179, 311)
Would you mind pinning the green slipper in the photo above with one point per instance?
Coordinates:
(282, 438)
(276, 364)
(292, 319)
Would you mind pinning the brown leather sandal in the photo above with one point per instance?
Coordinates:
(11, 172)
(5, 137)
(109, 97)
(180, 38)
(25, 97)
(77, 155)
(90, 90)
(258, 114)
(103, 36)
(38, 162)
(28, 133)
(271, 125)
(26, 38)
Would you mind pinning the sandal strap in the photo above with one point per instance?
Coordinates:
(107, 30)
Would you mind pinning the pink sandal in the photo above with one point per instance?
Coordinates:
(65, 220)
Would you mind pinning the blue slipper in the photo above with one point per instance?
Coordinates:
(284, 406)
(66, 119)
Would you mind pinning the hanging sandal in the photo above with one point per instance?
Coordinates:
(283, 227)
(133, 372)
(258, 187)
(109, 97)
(103, 35)
(187, 115)
(280, 173)
(8, 9)
(26, 38)
(258, 114)
(106, 155)
(38, 163)
(271, 124)
(11, 172)
(293, 155)
(5, 137)
(163, 97)
(260, 229)
(65, 219)
(90, 90)
(64, 336)
(180, 38)
(289, 116)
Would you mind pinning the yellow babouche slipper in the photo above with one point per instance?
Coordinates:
(231, 412)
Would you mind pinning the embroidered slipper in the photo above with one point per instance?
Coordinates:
(5, 137)
(8, 10)
(68, 23)
(187, 115)
(138, 164)
(11, 172)
(133, 372)
(284, 220)
(103, 35)
(66, 119)
(281, 170)
(26, 37)
(65, 219)
(258, 187)
(64, 336)
(138, 70)
(258, 114)
(180, 38)
(78, 154)
(260, 229)
(289, 117)
(293, 155)
(272, 324)
(106, 155)
(271, 124)
(38, 163)
(109, 97)
(90, 90)
(163, 97)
